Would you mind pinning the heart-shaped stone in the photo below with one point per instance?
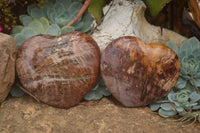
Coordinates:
(59, 70)
(137, 73)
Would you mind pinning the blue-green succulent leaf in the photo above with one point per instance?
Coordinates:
(20, 38)
(189, 45)
(87, 23)
(196, 107)
(59, 8)
(66, 29)
(181, 83)
(54, 30)
(29, 8)
(66, 3)
(90, 96)
(52, 15)
(194, 97)
(74, 8)
(62, 21)
(45, 24)
(17, 29)
(154, 107)
(79, 26)
(167, 106)
(173, 47)
(25, 19)
(98, 91)
(36, 13)
(179, 109)
(196, 81)
(166, 114)
(28, 32)
(36, 26)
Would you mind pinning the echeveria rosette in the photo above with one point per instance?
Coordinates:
(177, 102)
(184, 96)
(189, 56)
(52, 20)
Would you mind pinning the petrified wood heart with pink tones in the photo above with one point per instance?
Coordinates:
(59, 71)
(137, 73)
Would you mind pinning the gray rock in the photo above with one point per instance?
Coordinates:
(8, 50)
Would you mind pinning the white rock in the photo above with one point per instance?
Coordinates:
(126, 18)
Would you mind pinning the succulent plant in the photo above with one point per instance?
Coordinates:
(52, 20)
(185, 96)
(98, 91)
(189, 56)
(177, 102)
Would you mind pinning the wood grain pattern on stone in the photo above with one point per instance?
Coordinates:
(59, 71)
(7, 64)
(137, 73)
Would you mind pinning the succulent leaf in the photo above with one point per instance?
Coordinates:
(25, 19)
(173, 46)
(54, 30)
(184, 96)
(20, 38)
(87, 20)
(17, 29)
(59, 8)
(36, 26)
(51, 13)
(167, 106)
(166, 114)
(66, 29)
(181, 83)
(75, 8)
(36, 13)
(45, 24)
(28, 32)
(154, 107)
(98, 91)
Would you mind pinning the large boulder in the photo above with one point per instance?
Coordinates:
(8, 50)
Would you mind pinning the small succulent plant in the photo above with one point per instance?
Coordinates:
(189, 56)
(98, 91)
(185, 96)
(52, 20)
(179, 101)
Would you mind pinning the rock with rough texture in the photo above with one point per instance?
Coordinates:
(7, 64)
(25, 115)
(126, 18)
(137, 73)
(58, 70)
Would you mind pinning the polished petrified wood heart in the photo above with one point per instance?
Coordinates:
(137, 73)
(59, 71)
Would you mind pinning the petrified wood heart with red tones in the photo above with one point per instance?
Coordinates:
(137, 73)
(59, 71)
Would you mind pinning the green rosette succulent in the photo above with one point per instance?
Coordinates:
(185, 96)
(189, 56)
(177, 101)
(52, 20)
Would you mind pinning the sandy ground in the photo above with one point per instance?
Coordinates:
(25, 115)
